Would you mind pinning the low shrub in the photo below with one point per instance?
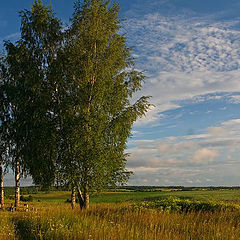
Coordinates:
(10, 197)
(26, 199)
(176, 204)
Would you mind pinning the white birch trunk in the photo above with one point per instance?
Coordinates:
(1, 186)
(17, 185)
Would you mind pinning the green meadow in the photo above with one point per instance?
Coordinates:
(171, 215)
(121, 196)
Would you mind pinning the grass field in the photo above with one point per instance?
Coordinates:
(112, 216)
(118, 197)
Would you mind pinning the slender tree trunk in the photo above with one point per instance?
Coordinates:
(86, 200)
(1, 186)
(80, 197)
(73, 197)
(17, 185)
(83, 198)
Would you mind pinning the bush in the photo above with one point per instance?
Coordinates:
(26, 199)
(176, 204)
(11, 197)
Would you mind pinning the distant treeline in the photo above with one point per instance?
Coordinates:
(173, 188)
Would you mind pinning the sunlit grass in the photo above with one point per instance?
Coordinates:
(7, 228)
(119, 221)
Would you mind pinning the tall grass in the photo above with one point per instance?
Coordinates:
(119, 222)
(7, 228)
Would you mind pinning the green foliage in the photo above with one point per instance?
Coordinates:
(29, 64)
(176, 204)
(97, 114)
(8, 191)
(4, 117)
(69, 96)
(26, 198)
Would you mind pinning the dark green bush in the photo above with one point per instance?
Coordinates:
(26, 199)
(175, 204)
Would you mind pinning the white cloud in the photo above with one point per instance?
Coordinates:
(184, 55)
(195, 58)
(176, 148)
(204, 156)
(173, 86)
(217, 131)
(235, 99)
(187, 157)
(180, 43)
(151, 116)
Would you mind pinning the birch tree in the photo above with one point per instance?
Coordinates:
(100, 82)
(3, 135)
(71, 95)
(32, 93)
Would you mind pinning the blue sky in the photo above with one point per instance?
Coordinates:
(190, 53)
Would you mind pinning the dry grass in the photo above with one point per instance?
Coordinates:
(119, 222)
(7, 228)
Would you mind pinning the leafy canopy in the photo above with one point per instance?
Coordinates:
(70, 91)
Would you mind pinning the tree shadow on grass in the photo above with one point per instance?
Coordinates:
(24, 229)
